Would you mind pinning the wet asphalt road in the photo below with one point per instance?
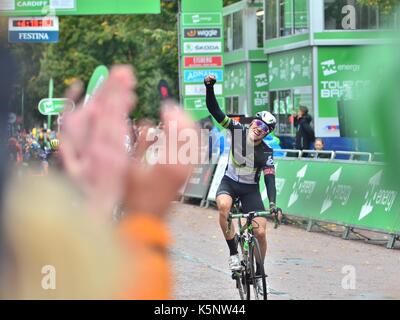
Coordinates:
(300, 264)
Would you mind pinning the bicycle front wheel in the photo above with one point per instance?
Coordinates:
(259, 287)
(241, 277)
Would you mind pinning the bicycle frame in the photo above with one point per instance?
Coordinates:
(245, 231)
(247, 242)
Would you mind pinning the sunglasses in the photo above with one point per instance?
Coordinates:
(260, 124)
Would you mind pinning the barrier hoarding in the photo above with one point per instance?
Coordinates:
(350, 194)
(199, 182)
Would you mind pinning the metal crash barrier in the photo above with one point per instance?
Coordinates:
(350, 192)
(344, 188)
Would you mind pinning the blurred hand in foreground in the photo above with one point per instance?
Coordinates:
(151, 188)
(95, 157)
(92, 145)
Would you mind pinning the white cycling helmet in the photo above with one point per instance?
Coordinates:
(267, 118)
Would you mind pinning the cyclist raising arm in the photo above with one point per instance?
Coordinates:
(249, 156)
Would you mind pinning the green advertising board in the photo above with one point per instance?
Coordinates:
(259, 79)
(51, 107)
(99, 75)
(201, 52)
(77, 7)
(197, 6)
(199, 104)
(341, 75)
(290, 69)
(235, 80)
(202, 19)
(351, 194)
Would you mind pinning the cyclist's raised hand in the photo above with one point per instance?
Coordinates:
(210, 80)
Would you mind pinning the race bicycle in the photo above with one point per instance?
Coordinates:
(250, 253)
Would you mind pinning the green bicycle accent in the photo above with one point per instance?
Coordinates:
(225, 123)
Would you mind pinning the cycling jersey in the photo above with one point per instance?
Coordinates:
(246, 162)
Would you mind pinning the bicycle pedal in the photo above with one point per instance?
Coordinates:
(235, 275)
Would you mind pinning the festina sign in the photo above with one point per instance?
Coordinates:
(202, 61)
(33, 36)
(33, 29)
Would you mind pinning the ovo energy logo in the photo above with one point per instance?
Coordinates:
(261, 80)
(377, 196)
(336, 192)
(329, 67)
(301, 187)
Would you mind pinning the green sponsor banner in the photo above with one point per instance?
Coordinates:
(199, 103)
(200, 6)
(77, 7)
(202, 19)
(290, 69)
(201, 48)
(99, 75)
(235, 80)
(339, 192)
(259, 78)
(50, 106)
(197, 108)
(341, 75)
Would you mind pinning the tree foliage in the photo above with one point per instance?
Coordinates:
(148, 42)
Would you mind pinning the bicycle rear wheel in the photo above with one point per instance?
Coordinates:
(254, 256)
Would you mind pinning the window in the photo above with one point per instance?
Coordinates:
(349, 15)
(282, 107)
(286, 17)
(228, 33)
(233, 31)
(237, 36)
(271, 19)
(260, 28)
(300, 16)
(284, 103)
(389, 21)
(232, 105)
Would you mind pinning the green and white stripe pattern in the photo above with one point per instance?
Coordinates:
(225, 123)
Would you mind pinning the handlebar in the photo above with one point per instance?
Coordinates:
(250, 216)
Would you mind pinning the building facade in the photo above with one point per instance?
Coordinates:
(313, 55)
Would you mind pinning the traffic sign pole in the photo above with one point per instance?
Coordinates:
(51, 93)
